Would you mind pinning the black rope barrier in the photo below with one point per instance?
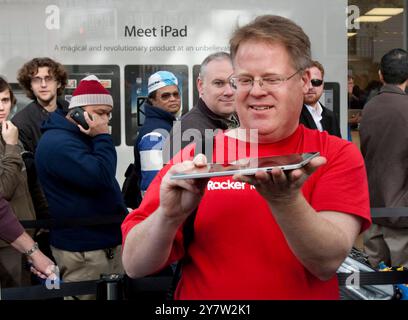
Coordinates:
(102, 288)
(374, 278)
(104, 220)
(389, 212)
(73, 222)
(41, 292)
(162, 284)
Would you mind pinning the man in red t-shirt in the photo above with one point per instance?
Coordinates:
(267, 236)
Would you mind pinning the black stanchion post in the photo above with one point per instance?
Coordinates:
(110, 287)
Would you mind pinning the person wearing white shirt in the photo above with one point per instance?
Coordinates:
(314, 115)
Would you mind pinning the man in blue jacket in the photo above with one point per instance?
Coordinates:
(76, 166)
(161, 108)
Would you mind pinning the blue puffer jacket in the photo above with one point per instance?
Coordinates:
(77, 173)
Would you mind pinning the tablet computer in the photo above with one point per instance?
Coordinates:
(249, 166)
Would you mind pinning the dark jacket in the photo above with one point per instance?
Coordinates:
(155, 119)
(77, 173)
(384, 144)
(29, 121)
(329, 121)
(199, 118)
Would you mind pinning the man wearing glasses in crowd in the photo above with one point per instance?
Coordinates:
(215, 108)
(314, 115)
(161, 107)
(277, 235)
(43, 81)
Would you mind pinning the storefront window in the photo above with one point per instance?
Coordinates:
(380, 28)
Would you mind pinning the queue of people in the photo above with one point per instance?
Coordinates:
(289, 231)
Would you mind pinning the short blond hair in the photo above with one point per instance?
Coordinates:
(276, 29)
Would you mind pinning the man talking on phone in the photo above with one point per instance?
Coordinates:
(76, 167)
(280, 236)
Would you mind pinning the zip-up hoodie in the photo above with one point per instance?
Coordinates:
(77, 173)
(150, 138)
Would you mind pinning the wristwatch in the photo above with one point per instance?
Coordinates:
(33, 249)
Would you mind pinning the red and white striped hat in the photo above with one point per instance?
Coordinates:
(90, 92)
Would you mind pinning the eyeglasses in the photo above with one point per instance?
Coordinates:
(39, 80)
(270, 83)
(167, 95)
(316, 82)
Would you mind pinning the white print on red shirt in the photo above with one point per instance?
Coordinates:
(227, 185)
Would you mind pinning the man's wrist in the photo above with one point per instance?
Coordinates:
(31, 251)
(169, 219)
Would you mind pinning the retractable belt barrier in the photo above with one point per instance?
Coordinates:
(73, 222)
(41, 292)
(389, 212)
(111, 291)
(104, 220)
(375, 277)
(109, 287)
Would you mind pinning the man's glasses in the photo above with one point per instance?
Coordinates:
(316, 82)
(167, 95)
(269, 83)
(39, 80)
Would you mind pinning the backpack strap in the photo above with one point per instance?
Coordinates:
(188, 228)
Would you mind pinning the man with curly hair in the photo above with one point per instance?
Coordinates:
(43, 80)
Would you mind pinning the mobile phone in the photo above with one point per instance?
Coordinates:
(77, 114)
(249, 166)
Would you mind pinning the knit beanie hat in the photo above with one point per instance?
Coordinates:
(90, 92)
(161, 79)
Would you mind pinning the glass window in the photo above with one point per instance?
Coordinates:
(380, 28)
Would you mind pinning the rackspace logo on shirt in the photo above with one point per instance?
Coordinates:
(227, 185)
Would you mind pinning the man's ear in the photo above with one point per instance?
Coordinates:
(306, 80)
(380, 75)
(199, 86)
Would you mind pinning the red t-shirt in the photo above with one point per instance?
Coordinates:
(239, 251)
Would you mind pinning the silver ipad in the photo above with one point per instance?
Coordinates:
(249, 166)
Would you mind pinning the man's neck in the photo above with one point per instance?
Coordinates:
(314, 105)
(403, 85)
(50, 106)
(253, 136)
(214, 112)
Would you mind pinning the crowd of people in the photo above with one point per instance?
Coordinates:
(280, 235)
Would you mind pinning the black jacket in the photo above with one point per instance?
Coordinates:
(29, 121)
(329, 121)
(199, 118)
